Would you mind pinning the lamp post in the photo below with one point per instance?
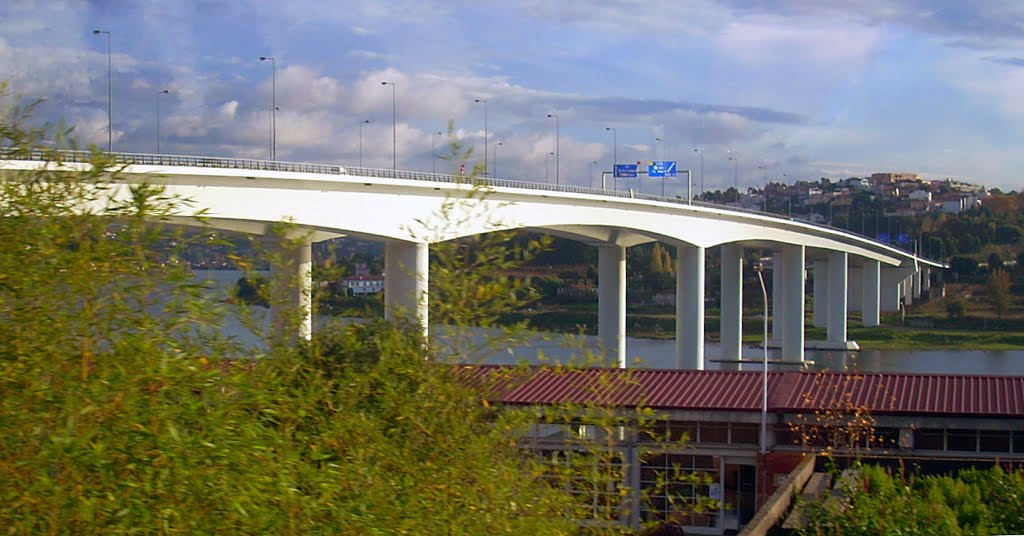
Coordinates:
(485, 134)
(433, 151)
(394, 127)
(273, 105)
(158, 93)
(662, 142)
(765, 169)
(558, 152)
(494, 158)
(590, 174)
(361, 123)
(701, 151)
(764, 365)
(547, 158)
(615, 155)
(736, 175)
(110, 95)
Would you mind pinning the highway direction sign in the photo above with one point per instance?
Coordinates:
(627, 171)
(661, 169)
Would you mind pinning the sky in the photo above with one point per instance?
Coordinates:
(784, 91)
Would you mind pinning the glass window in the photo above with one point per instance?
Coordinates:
(1018, 442)
(714, 433)
(994, 440)
(686, 431)
(962, 440)
(746, 434)
(928, 439)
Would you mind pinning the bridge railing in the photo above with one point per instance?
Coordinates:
(333, 169)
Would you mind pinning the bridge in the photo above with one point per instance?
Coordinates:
(410, 210)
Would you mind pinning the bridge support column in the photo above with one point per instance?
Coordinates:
(837, 282)
(908, 289)
(611, 301)
(690, 308)
(871, 296)
(821, 293)
(291, 306)
(778, 312)
(731, 320)
(854, 289)
(891, 288)
(926, 280)
(793, 276)
(915, 285)
(406, 272)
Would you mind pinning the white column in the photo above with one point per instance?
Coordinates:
(778, 312)
(611, 301)
(731, 321)
(821, 293)
(291, 305)
(406, 272)
(890, 289)
(854, 289)
(915, 285)
(907, 286)
(690, 308)
(793, 341)
(871, 296)
(837, 280)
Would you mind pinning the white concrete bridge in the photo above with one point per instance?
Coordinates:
(406, 210)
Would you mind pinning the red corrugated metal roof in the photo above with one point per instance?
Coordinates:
(791, 392)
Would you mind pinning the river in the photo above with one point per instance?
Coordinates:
(653, 353)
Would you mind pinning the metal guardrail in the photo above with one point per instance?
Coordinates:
(334, 169)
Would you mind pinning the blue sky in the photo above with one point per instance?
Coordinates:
(795, 89)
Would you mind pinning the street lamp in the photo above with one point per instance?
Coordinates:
(662, 142)
(558, 153)
(361, 123)
(494, 157)
(736, 175)
(759, 268)
(615, 155)
(273, 106)
(485, 133)
(110, 99)
(394, 127)
(765, 168)
(590, 174)
(433, 151)
(701, 151)
(158, 93)
(547, 158)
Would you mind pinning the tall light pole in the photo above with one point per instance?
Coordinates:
(615, 155)
(590, 174)
(736, 175)
(547, 158)
(494, 156)
(558, 152)
(394, 127)
(701, 151)
(764, 365)
(361, 123)
(273, 106)
(158, 93)
(765, 169)
(433, 151)
(485, 133)
(110, 95)
(662, 142)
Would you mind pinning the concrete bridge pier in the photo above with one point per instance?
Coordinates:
(820, 291)
(891, 289)
(611, 301)
(871, 295)
(854, 289)
(406, 270)
(778, 312)
(291, 304)
(926, 280)
(690, 307)
(731, 319)
(793, 258)
(837, 286)
(907, 287)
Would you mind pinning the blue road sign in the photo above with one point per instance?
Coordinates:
(625, 171)
(661, 169)
(883, 237)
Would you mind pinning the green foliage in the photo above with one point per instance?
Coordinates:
(956, 309)
(878, 502)
(998, 287)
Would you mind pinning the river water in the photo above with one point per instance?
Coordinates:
(651, 353)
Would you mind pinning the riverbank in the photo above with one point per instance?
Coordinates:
(926, 335)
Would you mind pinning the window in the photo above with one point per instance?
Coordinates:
(962, 440)
(929, 439)
(1018, 442)
(714, 433)
(745, 434)
(994, 440)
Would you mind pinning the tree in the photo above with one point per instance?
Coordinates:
(998, 286)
